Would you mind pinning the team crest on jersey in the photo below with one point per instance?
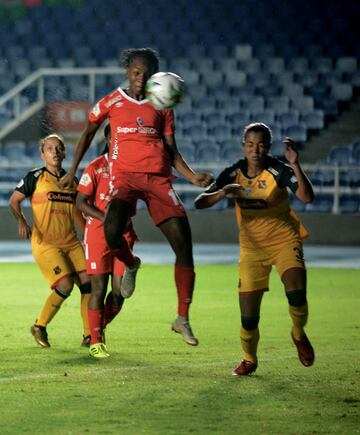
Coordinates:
(85, 180)
(57, 270)
(139, 121)
(96, 110)
(262, 184)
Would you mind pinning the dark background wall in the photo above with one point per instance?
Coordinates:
(220, 227)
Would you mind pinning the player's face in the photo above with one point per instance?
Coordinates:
(255, 149)
(53, 152)
(138, 73)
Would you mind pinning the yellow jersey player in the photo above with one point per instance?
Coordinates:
(270, 234)
(55, 245)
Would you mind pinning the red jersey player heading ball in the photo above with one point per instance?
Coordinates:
(143, 150)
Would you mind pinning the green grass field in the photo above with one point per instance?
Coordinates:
(154, 383)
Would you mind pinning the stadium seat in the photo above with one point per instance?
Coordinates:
(314, 120)
(242, 51)
(250, 66)
(235, 78)
(322, 204)
(346, 64)
(220, 132)
(297, 132)
(273, 65)
(212, 78)
(229, 105)
(349, 203)
(216, 117)
(207, 151)
(239, 119)
(341, 91)
(287, 119)
(278, 104)
(299, 65)
(196, 132)
(190, 118)
(341, 155)
(277, 148)
(267, 117)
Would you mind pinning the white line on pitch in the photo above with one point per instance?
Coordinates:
(161, 366)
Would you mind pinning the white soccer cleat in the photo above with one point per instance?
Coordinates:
(182, 326)
(129, 279)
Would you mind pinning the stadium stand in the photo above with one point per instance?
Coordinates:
(296, 80)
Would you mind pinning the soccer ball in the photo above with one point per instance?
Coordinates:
(164, 90)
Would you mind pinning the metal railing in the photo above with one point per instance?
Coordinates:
(37, 79)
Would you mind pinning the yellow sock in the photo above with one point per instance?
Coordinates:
(299, 316)
(50, 308)
(84, 313)
(249, 342)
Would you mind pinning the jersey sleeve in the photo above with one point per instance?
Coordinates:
(168, 128)
(227, 176)
(100, 111)
(288, 178)
(27, 185)
(87, 183)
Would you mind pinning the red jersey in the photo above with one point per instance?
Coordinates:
(137, 131)
(94, 183)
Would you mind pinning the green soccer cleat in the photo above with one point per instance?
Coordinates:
(98, 350)
(129, 279)
(40, 335)
(182, 326)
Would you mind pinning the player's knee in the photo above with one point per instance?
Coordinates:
(250, 323)
(63, 293)
(296, 298)
(85, 288)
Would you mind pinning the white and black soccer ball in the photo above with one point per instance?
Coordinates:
(165, 90)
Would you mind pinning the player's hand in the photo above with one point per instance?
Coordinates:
(24, 230)
(232, 191)
(66, 181)
(291, 152)
(202, 179)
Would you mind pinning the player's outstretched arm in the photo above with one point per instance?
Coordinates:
(201, 179)
(15, 201)
(304, 191)
(83, 144)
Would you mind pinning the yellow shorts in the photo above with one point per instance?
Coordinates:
(56, 262)
(255, 265)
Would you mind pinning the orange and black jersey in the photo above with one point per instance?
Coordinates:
(263, 207)
(52, 207)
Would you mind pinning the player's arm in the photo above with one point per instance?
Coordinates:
(79, 219)
(15, 201)
(304, 191)
(82, 146)
(86, 208)
(210, 197)
(202, 179)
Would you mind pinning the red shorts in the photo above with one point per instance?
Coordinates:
(155, 190)
(99, 259)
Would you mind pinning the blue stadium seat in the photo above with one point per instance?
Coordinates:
(314, 120)
(349, 203)
(341, 155)
(266, 116)
(196, 132)
(229, 105)
(204, 65)
(288, 119)
(250, 66)
(205, 105)
(303, 104)
(278, 104)
(220, 132)
(346, 64)
(322, 203)
(299, 65)
(297, 132)
(190, 118)
(235, 78)
(341, 91)
(239, 120)
(212, 78)
(273, 65)
(197, 92)
(216, 117)
(207, 151)
(277, 148)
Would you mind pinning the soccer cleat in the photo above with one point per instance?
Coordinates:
(129, 279)
(86, 341)
(305, 350)
(183, 327)
(40, 335)
(245, 368)
(98, 350)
